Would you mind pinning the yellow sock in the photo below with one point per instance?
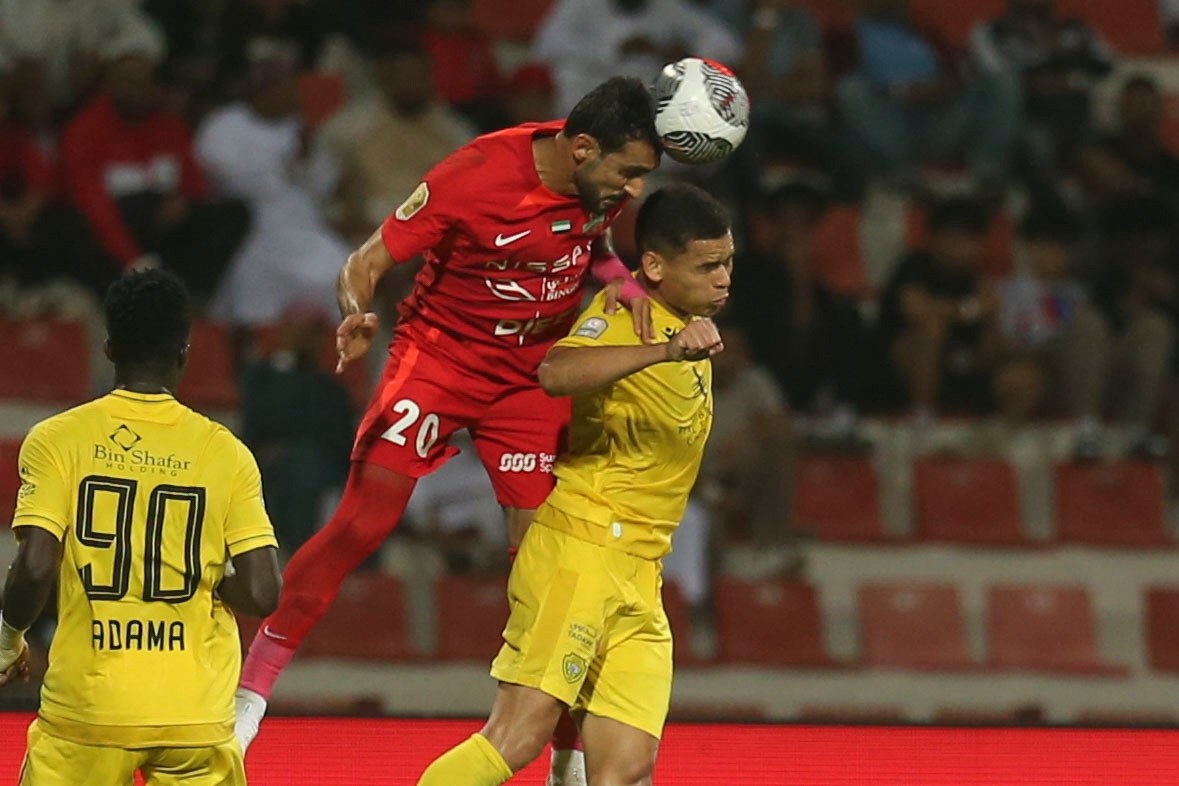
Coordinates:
(475, 762)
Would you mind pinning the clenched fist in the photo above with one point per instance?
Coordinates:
(699, 340)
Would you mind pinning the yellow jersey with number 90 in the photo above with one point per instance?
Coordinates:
(635, 446)
(150, 499)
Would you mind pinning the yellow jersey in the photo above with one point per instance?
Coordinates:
(150, 499)
(634, 446)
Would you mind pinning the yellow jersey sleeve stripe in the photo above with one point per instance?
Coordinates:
(47, 523)
(252, 542)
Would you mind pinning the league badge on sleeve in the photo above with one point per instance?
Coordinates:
(593, 327)
(416, 201)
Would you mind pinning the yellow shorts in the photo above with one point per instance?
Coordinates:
(587, 626)
(52, 761)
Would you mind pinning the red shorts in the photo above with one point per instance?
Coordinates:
(432, 387)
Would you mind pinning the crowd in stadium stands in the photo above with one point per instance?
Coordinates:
(248, 144)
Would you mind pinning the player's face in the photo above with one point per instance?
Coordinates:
(604, 180)
(695, 281)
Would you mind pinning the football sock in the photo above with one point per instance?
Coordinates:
(374, 499)
(474, 762)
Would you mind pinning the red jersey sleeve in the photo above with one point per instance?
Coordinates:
(434, 208)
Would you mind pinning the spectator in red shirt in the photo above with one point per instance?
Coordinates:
(465, 72)
(129, 167)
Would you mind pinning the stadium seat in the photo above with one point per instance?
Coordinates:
(852, 714)
(913, 626)
(954, 21)
(471, 613)
(9, 479)
(839, 254)
(356, 377)
(366, 621)
(210, 381)
(772, 623)
(836, 497)
(516, 21)
(1162, 628)
(44, 360)
(1042, 628)
(1170, 129)
(1111, 504)
(831, 14)
(1129, 26)
(963, 500)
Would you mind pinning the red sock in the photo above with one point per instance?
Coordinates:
(374, 499)
(566, 737)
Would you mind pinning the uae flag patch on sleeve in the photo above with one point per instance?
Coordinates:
(561, 226)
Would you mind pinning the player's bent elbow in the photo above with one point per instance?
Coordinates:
(265, 595)
(552, 381)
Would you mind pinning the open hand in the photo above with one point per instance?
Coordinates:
(18, 669)
(354, 336)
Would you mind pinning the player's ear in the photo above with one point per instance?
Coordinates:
(585, 147)
(652, 265)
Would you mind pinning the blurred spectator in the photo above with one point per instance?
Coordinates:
(385, 144)
(909, 103)
(585, 42)
(255, 28)
(529, 96)
(939, 318)
(1133, 158)
(298, 421)
(1058, 61)
(744, 475)
(64, 36)
(1123, 367)
(259, 151)
(1169, 11)
(466, 74)
(801, 332)
(197, 44)
(129, 167)
(785, 72)
(1045, 321)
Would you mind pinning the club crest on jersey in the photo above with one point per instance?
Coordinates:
(416, 201)
(594, 223)
(573, 666)
(561, 226)
(593, 327)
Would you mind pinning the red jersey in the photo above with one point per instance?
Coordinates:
(505, 256)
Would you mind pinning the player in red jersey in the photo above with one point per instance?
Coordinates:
(509, 226)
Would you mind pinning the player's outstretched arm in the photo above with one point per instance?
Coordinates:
(354, 291)
(30, 580)
(568, 371)
(255, 583)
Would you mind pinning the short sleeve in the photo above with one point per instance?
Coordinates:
(597, 328)
(434, 208)
(44, 497)
(248, 526)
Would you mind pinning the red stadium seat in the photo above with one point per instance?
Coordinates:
(772, 623)
(832, 14)
(954, 21)
(9, 479)
(963, 500)
(367, 621)
(471, 613)
(1129, 26)
(836, 496)
(1042, 628)
(44, 360)
(1111, 504)
(210, 381)
(1162, 628)
(913, 626)
(839, 254)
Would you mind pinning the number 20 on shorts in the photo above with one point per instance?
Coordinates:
(411, 414)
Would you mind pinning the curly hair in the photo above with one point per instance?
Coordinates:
(147, 319)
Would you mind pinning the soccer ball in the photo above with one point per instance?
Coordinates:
(701, 110)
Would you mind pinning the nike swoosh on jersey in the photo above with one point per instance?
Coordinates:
(501, 241)
(268, 633)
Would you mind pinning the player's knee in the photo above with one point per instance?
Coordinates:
(624, 768)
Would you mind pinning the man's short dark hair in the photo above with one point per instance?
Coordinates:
(147, 319)
(618, 111)
(1141, 81)
(674, 216)
(1050, 223)
(961, 214)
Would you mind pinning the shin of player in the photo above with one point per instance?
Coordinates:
(587, 629)
(509, 227)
